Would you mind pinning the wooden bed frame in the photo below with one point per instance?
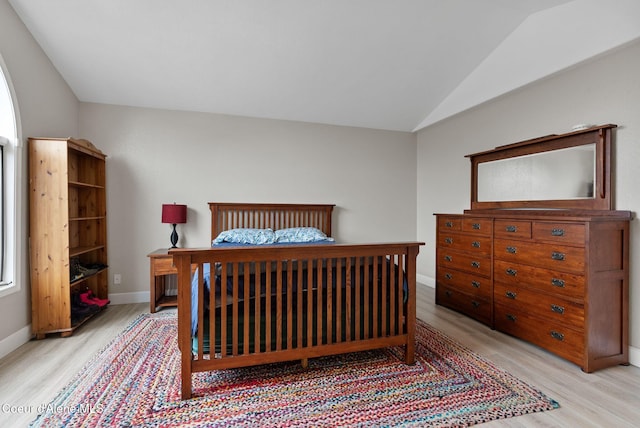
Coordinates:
(293, 323)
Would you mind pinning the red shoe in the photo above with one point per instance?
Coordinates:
(88, 298)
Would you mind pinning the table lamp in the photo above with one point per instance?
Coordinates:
(174, 214)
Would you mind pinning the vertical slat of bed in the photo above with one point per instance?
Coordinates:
(234, 310)
(279, 307)
(358, 305)
(223, 310)
(392, 295)
(400, 292)
(383, 302)
(213, 292)
(290, 267)
(348, 305)
(309, 317)
(267, 310)
(329, 301)
(319, 305)
(246, 318)
(367, 313)
(200, 311)
(339, 306)
(257, 308)
(374, 291)
(299, 307)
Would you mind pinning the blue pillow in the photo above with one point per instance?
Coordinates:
(301, 234)
(246, 236)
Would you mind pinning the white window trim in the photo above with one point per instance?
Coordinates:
(14, 176)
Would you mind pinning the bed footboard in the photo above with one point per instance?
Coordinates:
(262, 305)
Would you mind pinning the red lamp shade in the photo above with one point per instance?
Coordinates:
(174, 214)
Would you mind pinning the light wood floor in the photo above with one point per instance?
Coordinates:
(33, 374)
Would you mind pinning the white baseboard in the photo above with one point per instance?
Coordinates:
(426, 280)
(634, 356)
(13, 342)
(126, 298)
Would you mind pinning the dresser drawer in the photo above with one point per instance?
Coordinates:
(480, 226)
(547, 281)
(449, 223)
(513, 229)
(547, 306)
(471, 263)
(470, 243)
(568, 233)
(555, 337)
(473, 285)
(550, 256)
(478, 309)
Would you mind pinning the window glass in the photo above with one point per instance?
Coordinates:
(8, 185)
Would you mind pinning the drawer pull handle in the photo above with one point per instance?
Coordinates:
(475, 304)
(557, 335)
(511, 272)
(475, 244)
(448, 258)
(475, 284)
(511, 228)
(475, 264)
(448, 276)
(511, 294)
(512, 317)
(557, 309)
(448, 293)
(512, 250)
(557, 282)
(449, 224)
(557, 232)
(557, 256)
(476, 226)
(448, 240)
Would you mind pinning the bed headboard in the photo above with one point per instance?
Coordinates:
(231, 215)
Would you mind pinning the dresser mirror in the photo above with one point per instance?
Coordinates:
(568, 171)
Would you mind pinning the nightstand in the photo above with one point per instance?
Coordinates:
(161, 266)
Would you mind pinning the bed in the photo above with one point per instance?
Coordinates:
(242, 304)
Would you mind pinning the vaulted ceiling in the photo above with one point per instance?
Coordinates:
(385, 64)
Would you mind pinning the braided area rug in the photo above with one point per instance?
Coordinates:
(135, 381)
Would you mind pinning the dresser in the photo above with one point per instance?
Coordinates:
(541, 255)
(557, 280)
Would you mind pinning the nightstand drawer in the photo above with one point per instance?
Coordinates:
(164, 266)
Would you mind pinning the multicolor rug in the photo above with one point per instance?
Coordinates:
(135, 381)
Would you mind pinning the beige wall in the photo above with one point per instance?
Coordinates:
(604, 90)
(159, 156)
(47, 107)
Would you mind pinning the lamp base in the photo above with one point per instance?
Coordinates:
(174, 237)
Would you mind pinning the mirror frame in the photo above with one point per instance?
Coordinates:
(600, 135)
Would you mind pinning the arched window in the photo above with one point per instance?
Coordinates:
(9, 179)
